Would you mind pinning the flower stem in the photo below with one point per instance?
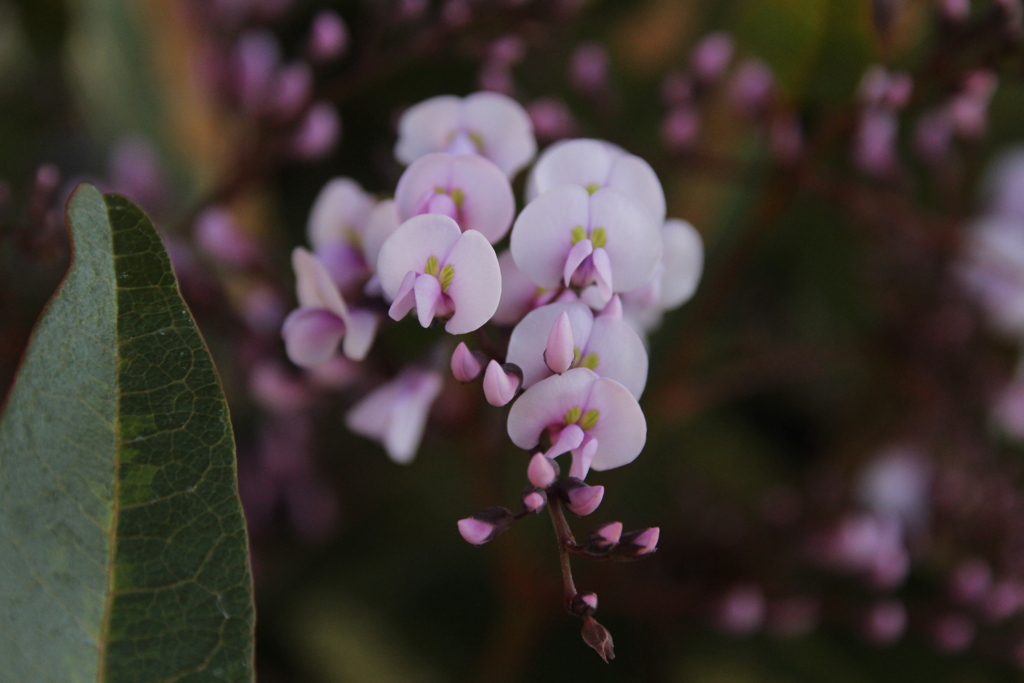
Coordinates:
(565, 541)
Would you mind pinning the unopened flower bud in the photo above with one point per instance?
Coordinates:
(712, 55)
(328, 36)
(485, 525)
(588, 69)
(221, 238)
(499, 385)
(583, 499)
(541, 471)
(465, 365)
(606, 535)
(584, 604)
(534, 501)
(637, 543)
(885, 622)
(560, 349)
(597, 637)
(318, 133)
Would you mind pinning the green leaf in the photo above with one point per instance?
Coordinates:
(123, 551)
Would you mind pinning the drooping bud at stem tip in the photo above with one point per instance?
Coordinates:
(597, 637)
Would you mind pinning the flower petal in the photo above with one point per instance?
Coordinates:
(427, 127)
(475, 287)
(619, 352)
(427, 291)
(635, 177)
(361, 331)
(621, 430)
(409, 247)
(341, 206)
(634, 240)
(314, 286)
(547, 402)
(380, 224)
(405, 298)
(529, 338)
(542, 235)
(488, 204)
(409, 418)
(311, 336)
(577, 255)
(518, 293)
(505, 128)
(571, 162)
(683, 258)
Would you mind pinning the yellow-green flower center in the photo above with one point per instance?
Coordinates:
(586, 421)
(598, 236)
(443, 275)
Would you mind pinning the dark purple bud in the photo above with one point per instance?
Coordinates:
(292, 89)
(508, 50)
(584, 604)
(597, 637)
(970, 581)
(256, 60)
(741, 610)
(953, 633)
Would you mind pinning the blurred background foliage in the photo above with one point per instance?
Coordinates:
(823, 332)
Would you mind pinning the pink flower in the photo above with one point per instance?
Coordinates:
(675, 279)
(312, 332)
(577, 237)
(336, 229)
(467, 188)
(595, 164)
(396, 413)
(606, 344)
(602, 423)
(432, 266)
(491, 125)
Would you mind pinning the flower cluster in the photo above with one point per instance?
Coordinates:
(591, 265)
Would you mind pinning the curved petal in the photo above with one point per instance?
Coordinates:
(405, 297)
(529, 338)
(427, 291)
(572, 162)
(409, 418)
(619, 353)
(683, 259)
(518, 292)
(427, 127)
(488, 204)
(314, 286)
(621, 430)
(505, 128)
(361, 331)
(546, 403)
(423, 177)
(475, 287)
(409, 247)
(577, 255)
(342, 206)
(635, 177)
(311, 336)
(381, 222)
(542, 235)
(634, 240)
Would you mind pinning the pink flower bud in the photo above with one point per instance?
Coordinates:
(584, 499)
(970, 581)
(885, 622)
(741, 610)
(561, 347)
(584, 604)
(953, 633)
(475, 531)
(318, 133)
(606, 535)
(534, 501)
(465, 366)
(499, 386)
(292, 89)
(541, 472)
(588, 69)
(328, 36)
(221, 238)
(751, 88)
(712, 55)
(552, 119)
(256, 59)
(680, 128)
(647, 540)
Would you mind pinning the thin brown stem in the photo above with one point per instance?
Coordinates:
(565, 541)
